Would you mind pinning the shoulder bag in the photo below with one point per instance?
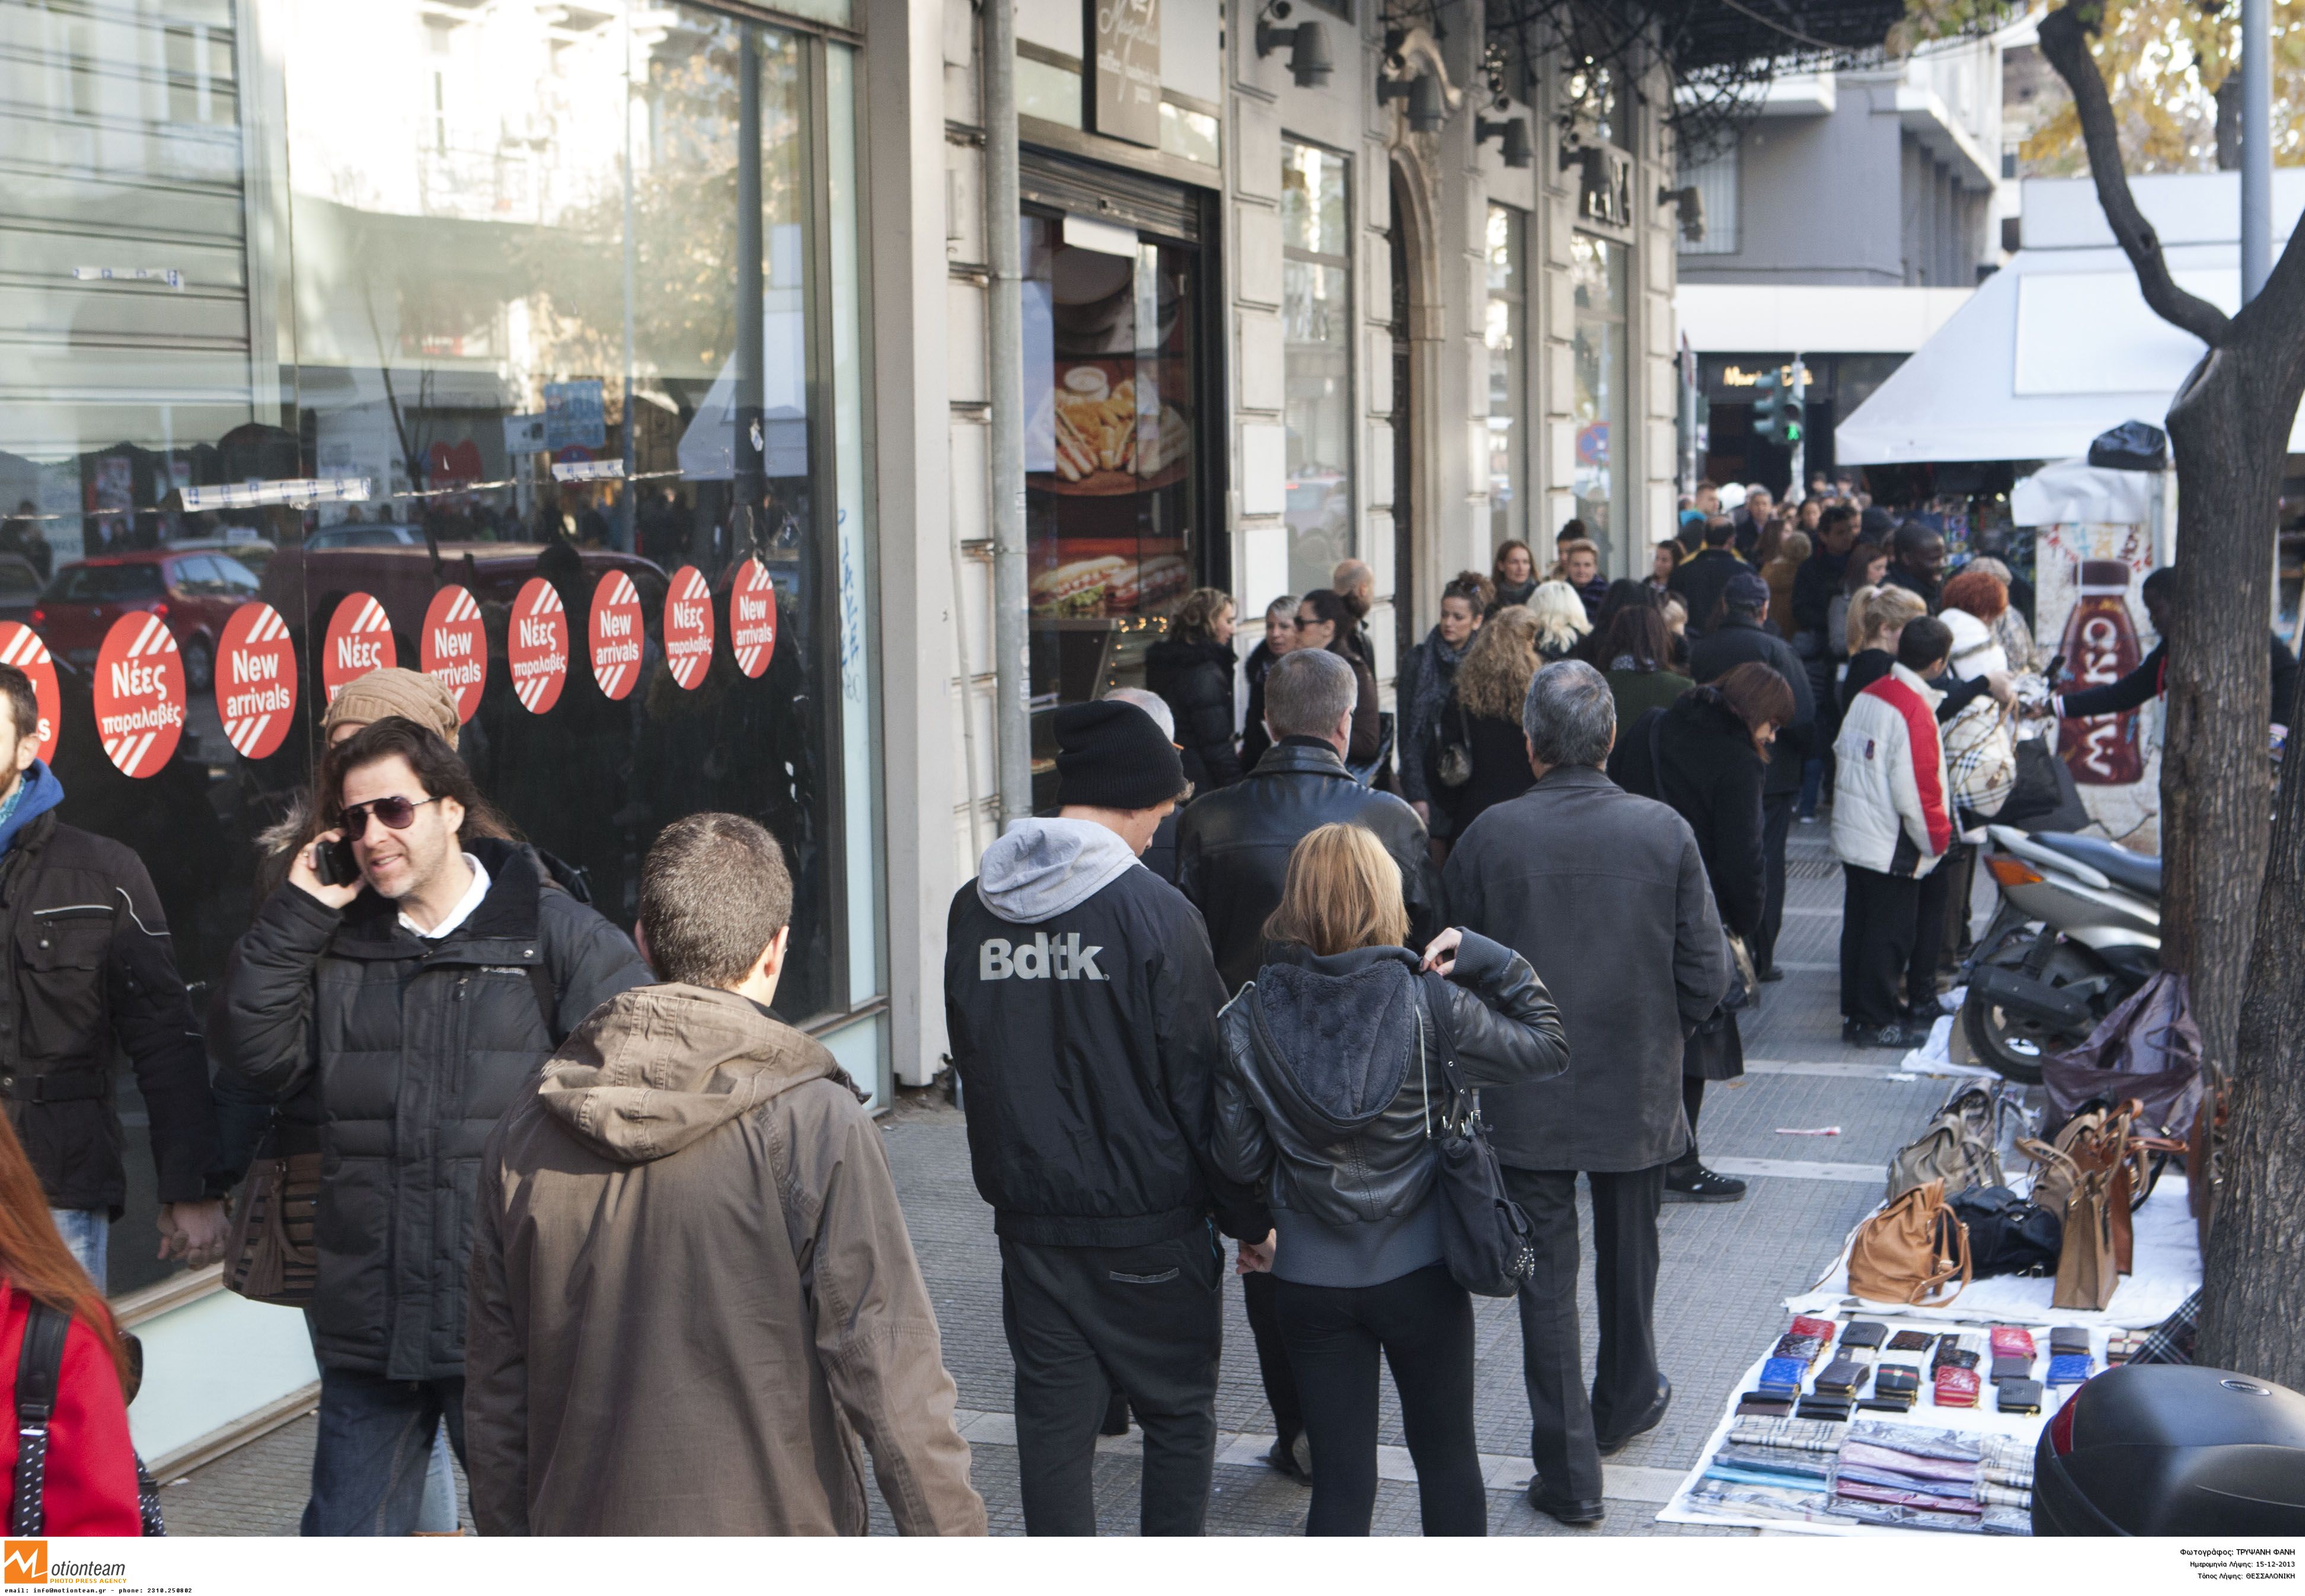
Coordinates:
(39, 1382)
(1487, 1238)
(1454, 766)
(1910, 1251)
(1957, 1148)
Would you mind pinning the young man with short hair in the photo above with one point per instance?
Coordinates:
(687, 1250)
(1082, 1002)
(423, 993)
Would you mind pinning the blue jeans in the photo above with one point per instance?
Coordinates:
(369, 1462)
(88, 1232)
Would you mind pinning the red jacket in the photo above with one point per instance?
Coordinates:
(92, 1488)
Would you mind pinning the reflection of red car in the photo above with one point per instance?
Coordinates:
(194, 592)
(306, 584)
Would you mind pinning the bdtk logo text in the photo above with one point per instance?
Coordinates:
(1040, 959)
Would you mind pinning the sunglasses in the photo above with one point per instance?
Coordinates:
(396, 813)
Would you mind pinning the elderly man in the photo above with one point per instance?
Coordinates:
(1605, 894)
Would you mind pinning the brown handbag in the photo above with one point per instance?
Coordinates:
(269, 1255)
(2087, 1267)
(1910, 1251)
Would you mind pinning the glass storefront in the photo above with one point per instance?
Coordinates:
(1597, 270)
(1316, 317)
(523, 345)
(1506, 337)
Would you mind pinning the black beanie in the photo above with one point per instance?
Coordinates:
(1112, 755)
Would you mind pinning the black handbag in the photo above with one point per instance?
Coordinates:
(1487, 1238)
(1454, 766)
(2007, 1233)
(2045, 797)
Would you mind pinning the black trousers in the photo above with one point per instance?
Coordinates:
(1260, 1293)
(1931, 909)
(1423, 1324)
(1563, 1422)
(1692, 1100)
(1776, 824)
(1880, 915)
(1154, 1317)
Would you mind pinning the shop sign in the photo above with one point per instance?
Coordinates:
(140, 694)
(538, 646)
(616, 633)
(753, 618)
(454, 649)
(358, 641)
(524, 435)
(1604, 189)
(688, 627)
(575, 415)
(21, 647)
(1123, 89)
(256, 681)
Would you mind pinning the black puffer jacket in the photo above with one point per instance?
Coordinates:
(91, 970)
(420, 1047)
(1196, 679)
(1327, 1088)
(1701, 761)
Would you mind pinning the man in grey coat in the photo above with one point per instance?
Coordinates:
(1605, 894)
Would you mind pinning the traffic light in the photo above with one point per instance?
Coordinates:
(1777, 416)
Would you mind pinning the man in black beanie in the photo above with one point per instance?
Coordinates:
(1082, 999)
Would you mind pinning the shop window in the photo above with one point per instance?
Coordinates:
(1599, 475)
(1505, 332)
(1317, 334)
(639, 383)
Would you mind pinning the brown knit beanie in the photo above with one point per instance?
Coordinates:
(413, 695)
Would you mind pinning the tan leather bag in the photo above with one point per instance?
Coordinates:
(1910, 1251)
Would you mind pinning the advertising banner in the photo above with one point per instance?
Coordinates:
(21, 647)
(455, 648)
(616, 633)
(538, 646)
(688, 627)
(358, 641)
(2089, 607)
(256, 681)
(140, 694)
(753, 618)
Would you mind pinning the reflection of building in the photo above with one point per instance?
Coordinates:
(650, 278)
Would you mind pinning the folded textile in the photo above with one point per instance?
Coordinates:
(1775, 1460)
(1919, 1440)
(1851, 1475)
(1795, 1435)
(2014, 1479)
(1744, 1476)
(2008, 1454)
(1905, 1518)
(1873, 1455)
(1889, 1496)
(2008, 1521)
(1762, 1501)
(2004, 1496)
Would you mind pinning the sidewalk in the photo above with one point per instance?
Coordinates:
(1725, 1271)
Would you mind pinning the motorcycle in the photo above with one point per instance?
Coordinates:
(2078, 931)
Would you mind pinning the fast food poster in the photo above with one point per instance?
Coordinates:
(2116, 759)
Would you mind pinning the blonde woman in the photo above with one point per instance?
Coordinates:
(1325, 1099)
(1560, 621)
(1482, 716)
(1878, 619)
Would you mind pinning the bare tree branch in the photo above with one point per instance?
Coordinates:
(2064, 43)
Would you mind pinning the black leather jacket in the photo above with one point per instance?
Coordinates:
(1323, 1095)
(1233, 847)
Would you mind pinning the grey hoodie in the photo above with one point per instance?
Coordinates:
(1042, 868)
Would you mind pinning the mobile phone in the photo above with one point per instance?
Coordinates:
(333, 863)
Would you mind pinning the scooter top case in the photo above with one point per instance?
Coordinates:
(2167, 1449)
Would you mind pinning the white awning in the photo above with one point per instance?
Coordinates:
(2052, 350)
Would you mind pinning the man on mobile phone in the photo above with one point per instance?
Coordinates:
(91, 968)
(424, 994)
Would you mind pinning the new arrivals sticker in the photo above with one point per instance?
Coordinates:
(455, 648)
(616, 633)
(358, 641)
(753, 618)
(539, 648)
(688, 627)
(140, 694)
(21, 647)
(256, 681)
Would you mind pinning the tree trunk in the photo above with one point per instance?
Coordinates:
(2254, 1299)
(2215, 792)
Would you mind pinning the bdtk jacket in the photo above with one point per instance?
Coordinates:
(693, 1294)
(1082, 1003)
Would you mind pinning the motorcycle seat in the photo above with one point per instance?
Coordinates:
(2125, 867)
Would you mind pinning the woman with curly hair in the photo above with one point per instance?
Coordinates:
(1483, 717)
(1562, 626)
(1192, 669)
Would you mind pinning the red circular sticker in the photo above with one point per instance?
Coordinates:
(358, 641)
(455, 648)
(753, 618)
(21, 647)
(140, 694)
(688, 627)
(256, 681)
(615, 634)
(538, 648)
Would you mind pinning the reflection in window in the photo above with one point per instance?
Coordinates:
(450, 283)
(1506, 317)
(1317, 333)
(1597, 270)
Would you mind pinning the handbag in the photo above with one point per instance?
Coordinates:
(2045, 797)
(1956, 1148)
(39, 1384)
(1484, 1235)
(2148, 1049)
(1910, 1251)
(1454, 766)
(269, 1252)
(2007, 1233)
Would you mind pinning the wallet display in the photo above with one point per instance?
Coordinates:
(2018, 1397)
(1822, 1328)
(1910, 1341)
(2005, 1369)
(1806, 1348)
(2068, 1338)
(2124, 1344)
(1863, 1333)
(2012, 1341)
(2069, 1368)
(1784, 1372)
(1956, 1387)
(1841, 1378)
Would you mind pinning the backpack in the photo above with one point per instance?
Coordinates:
(39, 1381)
(1956, 1148)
